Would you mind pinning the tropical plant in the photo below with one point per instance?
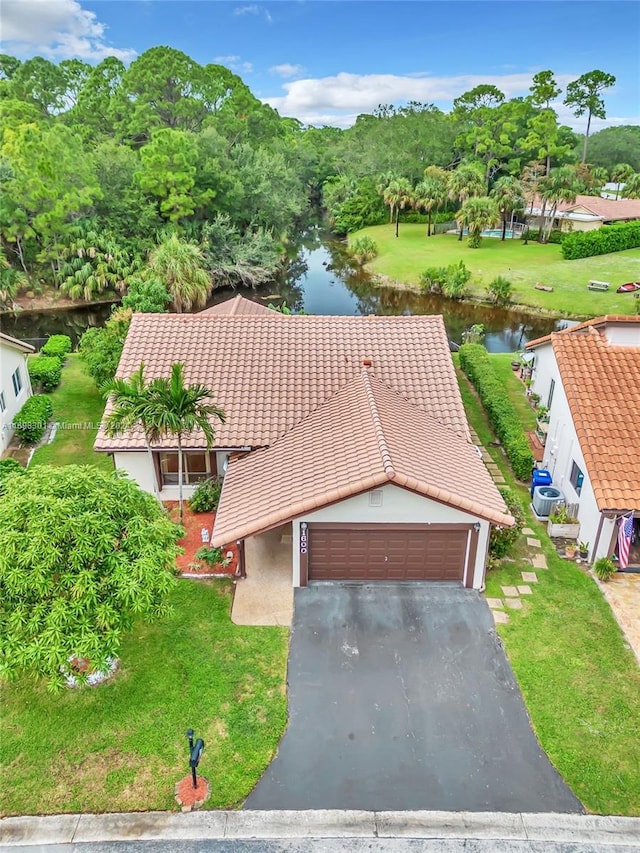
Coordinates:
(45, 372)
(175, 409)
(206, 496)
(82, 554)
(468, 180)
(363, 249)
(146, 294)
(181, 266)
(632, 186)
(509, 197)
(561, 185)
(92, 262)
(477, 214)
(31, 421)
(101, 348)
(58, 346)
(431, 193)
(620, 174)
(211, 556)
(11, 281)
(502, 539)
(9, 467)
(500, 290)
(398, 195)
(604, 568)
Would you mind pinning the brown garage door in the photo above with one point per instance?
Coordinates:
(380, 553)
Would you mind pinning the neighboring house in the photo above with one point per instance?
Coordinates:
(589, 377)
(586, 213)
(15, 385)
(347, 433)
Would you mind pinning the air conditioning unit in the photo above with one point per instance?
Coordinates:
(545, 499)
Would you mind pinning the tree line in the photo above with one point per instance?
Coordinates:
(166, 178)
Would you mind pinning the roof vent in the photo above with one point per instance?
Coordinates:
(375, 498)
(367, 362)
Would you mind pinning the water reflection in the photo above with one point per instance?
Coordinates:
(321, 280)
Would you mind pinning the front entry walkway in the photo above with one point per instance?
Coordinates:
(265, 596)
(401, 697)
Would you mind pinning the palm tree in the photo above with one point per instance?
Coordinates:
(130, 399)
(180, 265)
(468, 180)
(399, 193)
(632, 186)
(175, 409)
(431, 193)
(477, 214)
(508, 194)
(382, 183)
(620, 174)
(561, 185)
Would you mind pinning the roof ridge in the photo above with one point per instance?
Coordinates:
(385, 453)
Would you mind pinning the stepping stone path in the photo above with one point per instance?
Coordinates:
(534, 543)
(539, 561)
(528, 531)
(513, 603)
(529, 577)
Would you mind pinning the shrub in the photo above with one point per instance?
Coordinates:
(206, 497)
(555, 236)
(363, 249)
(449, 281)
(501, 539)
(609, 238)
(146, 295)
(101, 348)
(58, 346)
(32, 419)
(500, 291)
(604, 568)
(9, 468)
(475, 362)
(433, 278)
(211, 556)
(45, 372)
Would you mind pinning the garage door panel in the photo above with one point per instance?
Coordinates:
(347, 553)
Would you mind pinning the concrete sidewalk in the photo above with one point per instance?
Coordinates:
(600, 831)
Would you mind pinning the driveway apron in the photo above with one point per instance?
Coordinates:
(401, 697)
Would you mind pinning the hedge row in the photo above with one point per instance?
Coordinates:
(609, 238)
(45, 372)
(32, 419)
(58, 346)
(475, 362)
(555, 236)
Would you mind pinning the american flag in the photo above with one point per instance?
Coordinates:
(625, 529)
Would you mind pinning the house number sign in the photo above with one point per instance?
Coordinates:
(303, 538)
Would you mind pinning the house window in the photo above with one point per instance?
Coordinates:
(16, 378)
(552, 388)
(3, 403)
(576, 478)
(195, 468)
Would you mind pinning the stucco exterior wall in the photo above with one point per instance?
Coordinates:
(10, 359)
(623, 336)
(562, 449)
(399, 506)
(137, 466)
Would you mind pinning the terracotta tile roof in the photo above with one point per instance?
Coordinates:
(267, 375)
(364, 437)
(595, 322)
(607, 209)
(602, 384)
(15, 343)
(237, 306)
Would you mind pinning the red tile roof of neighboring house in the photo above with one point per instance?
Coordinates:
(602, 384)
(267, 375)
(596, 322)
(240, 306)
(607, 209)
(364, 437)
(16, 344)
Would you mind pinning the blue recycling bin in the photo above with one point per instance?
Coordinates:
(540, 477)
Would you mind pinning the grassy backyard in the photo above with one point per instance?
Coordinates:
(580, 682)
(404, 258)
(77, 407)
(122, 746)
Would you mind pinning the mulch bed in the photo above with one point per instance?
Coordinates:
(189, 797)
(193, 522)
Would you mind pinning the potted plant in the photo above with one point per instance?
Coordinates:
(583, 550)
(534, 399)
(562, 525)
(570, 550)
(604, 568)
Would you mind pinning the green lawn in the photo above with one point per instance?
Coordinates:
(580, 683)
(404, 258)
(121, 746)
(78, 407)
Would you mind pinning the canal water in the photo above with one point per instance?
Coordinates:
(321, 281)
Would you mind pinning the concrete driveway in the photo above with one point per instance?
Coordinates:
(401, 697)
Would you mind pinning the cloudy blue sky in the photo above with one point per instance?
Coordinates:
(326, 61)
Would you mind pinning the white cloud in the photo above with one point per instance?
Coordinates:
(286, 70)
(246, 10)
(59, 29)
(233, 62)
(226, 60)
(338, 100)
